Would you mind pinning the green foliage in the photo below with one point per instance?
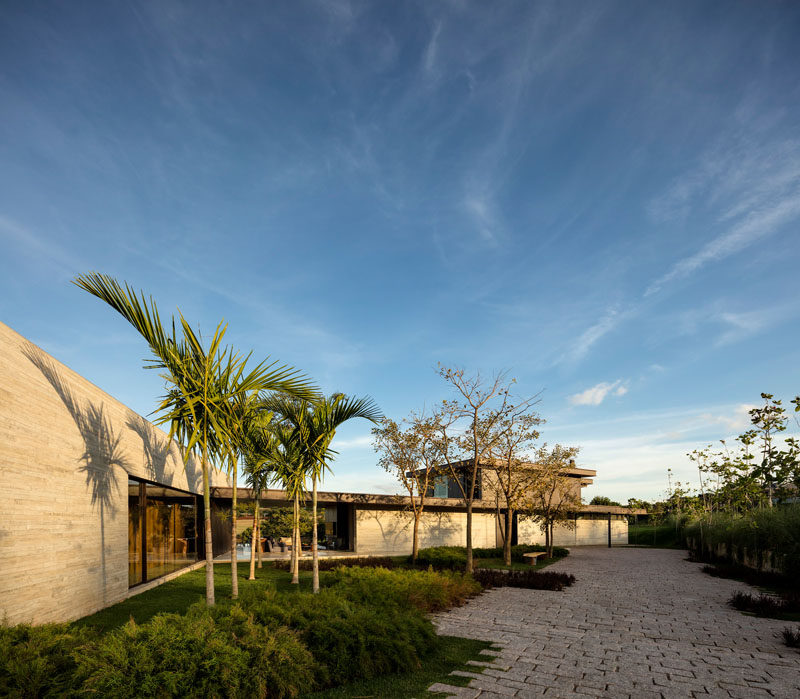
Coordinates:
(331, 563)
(427, 591)
(277, 522)
(603, 500)
(777, 607)
(775, 530)
(39, 661)
(530, 579)
(456, 556)
(366, 623)
(349, 640)
(204, 653)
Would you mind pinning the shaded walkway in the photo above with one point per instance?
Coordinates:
(637, 623)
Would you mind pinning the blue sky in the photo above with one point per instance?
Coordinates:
(601, 198)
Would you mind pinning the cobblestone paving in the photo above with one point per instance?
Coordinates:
(637, 623)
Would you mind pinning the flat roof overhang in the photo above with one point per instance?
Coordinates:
(275, 496)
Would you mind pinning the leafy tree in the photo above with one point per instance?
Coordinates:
(769, 420)
(603, 500)
(202, 382)
(474, 417)
(553, 498)
(413, 456)
(509, 463)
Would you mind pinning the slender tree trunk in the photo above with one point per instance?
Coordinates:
(547, 538)
(234, 547)
(296, 542)
(209, 546)
(314, 535)
(415, 539)
(258, 528)
(469, 536)
(255, 540)
(550, 542)
(507, 539)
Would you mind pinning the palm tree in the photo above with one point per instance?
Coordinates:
(259, 452)
(314, 426)
(202, 383)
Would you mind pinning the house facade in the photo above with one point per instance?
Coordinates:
(96, 503)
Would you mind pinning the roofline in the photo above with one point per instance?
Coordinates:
(331, 498)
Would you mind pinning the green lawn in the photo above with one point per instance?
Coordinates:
(661, 536)
(179, 594)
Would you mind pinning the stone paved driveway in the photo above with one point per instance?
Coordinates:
(637, 623)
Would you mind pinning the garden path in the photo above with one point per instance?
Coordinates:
(637, 623)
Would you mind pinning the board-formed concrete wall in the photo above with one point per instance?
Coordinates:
(390, 532)
(66, 450)
(587, 532)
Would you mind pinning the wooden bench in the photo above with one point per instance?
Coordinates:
(533, 556)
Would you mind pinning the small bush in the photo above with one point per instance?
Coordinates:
(765, 605)
(205, 653)
(453, 557)
(447, 557)
(39, 661)
(757, 578)
(427, 591)
(349, 640)
(791, 637)
(333, 563)
(531, 579)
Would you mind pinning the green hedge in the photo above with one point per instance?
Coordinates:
(770, 532)
(365, 623)
(454, 557)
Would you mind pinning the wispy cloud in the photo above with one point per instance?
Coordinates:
(754, 226)
(747, 181)
(37, 246)
(580, 347)
(599, 392)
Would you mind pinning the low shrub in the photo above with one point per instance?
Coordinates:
(766, 605)
(427, 591)
(518, 552)
(531, 579)
(447, 557)
(757, 578)
(791, 637)
(333, 563)
(349, 640)
(453, 557)
(39, 661)
(219, 652)
(769, 535)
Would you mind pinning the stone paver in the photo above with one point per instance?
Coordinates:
(637, 623)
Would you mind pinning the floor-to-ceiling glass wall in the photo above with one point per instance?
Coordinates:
(162, 530)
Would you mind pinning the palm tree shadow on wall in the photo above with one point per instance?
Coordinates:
(158, 449)
(101, 451)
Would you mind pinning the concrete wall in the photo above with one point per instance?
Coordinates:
(66, 450)
(390, 532)
(588, 532)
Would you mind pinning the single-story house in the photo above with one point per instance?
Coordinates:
(96, 503)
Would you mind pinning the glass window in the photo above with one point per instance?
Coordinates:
(162, 522)
(134, 533)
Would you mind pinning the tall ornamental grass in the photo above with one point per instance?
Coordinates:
(773, 532)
